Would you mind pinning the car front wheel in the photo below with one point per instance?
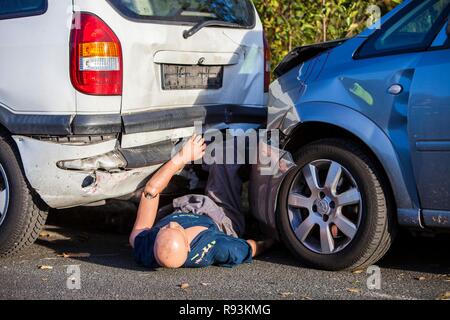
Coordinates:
(334, 209)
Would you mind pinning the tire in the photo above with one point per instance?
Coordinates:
(372, 228)
(25, 214)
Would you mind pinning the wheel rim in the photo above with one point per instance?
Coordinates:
(324, 207)
(4, 194)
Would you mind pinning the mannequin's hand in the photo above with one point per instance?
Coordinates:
(193, 150)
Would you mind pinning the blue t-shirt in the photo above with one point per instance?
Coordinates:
(210, 247)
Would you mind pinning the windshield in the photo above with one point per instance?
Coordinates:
(192, 11)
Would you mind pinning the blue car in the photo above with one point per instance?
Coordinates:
(367, 122)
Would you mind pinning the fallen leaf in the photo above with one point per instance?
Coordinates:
(76, 255)
(420, 278)
(50, 258)
(286, 294)
(353, 290)
(184, 285)
(205, 284)
(44, 267)
(357, 271)
(305, 298)
(444, 296)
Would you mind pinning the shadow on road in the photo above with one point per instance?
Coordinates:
(103, 233)
(422, 254)
(408, 253)
(100, 232)
(100, 248)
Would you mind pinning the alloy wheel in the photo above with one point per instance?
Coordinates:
(324, 207)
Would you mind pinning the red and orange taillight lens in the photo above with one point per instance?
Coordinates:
(96, 56)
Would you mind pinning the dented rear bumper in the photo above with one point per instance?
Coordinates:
(61, 188)
(69, 162)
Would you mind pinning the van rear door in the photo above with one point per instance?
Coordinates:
(220, 64)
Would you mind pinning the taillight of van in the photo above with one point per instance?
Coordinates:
(267, 65)
(95, 56)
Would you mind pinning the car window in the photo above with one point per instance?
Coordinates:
(20, 8)
(234, 11)
(414, 29)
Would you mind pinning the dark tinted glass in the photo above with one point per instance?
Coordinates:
(233, 11)
(414, 28)
(21, 7)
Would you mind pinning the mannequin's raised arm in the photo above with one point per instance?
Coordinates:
(194, 149)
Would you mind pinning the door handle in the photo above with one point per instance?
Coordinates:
(395, 89)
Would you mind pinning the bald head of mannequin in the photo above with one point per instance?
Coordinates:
(171, 247)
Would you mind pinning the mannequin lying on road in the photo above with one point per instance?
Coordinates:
(204, 229)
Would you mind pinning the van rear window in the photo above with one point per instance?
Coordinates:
(21, 8)
(239, 12)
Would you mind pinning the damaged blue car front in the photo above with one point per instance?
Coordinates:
(366, 121)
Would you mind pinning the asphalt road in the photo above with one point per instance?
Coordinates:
(415, 268)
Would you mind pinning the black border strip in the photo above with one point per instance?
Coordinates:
(330, 305)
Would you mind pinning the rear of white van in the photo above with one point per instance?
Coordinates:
(94, 95)
(143, 72)
(154, 65)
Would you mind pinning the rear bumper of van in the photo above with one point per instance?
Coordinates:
(148, 121)
(87, 159)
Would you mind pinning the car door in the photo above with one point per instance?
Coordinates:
(429, 129)
(383, 78)
(415, 40)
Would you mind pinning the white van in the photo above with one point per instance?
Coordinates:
(94, 95)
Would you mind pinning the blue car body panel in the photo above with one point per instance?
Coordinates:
(397, 104)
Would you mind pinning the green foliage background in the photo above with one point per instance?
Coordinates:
(292, 23)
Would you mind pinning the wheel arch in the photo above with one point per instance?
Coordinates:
(309, 132)
(327, 120)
